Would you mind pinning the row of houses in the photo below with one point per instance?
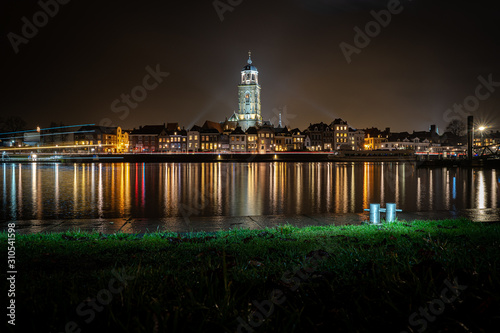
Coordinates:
(228, 137)
(219, 137)
(338, 135)
(213, 137)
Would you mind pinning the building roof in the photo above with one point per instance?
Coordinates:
(209, 130)
(234, 117)
(148, 129)
(212, 125)
(249, 66)
(283, 131)
(393, 137)
(237, 131)
(421, 134)
(177, 131)
(320, 127)
(172, 127)
(339, 121)
(195, 128)
(251, 130)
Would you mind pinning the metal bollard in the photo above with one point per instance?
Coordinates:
(391, 210)
(375, 213)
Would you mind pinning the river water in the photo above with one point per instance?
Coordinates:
(164, 190)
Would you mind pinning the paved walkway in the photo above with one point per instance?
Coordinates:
(208, 224)
(211, 224)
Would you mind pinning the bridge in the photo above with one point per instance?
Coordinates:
(486, 152)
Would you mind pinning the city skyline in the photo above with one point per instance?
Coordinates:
(250, 166)
(406, 78)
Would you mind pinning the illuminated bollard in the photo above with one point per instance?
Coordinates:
(375, 213)
(390, 215)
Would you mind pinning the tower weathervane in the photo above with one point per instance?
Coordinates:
(249, 57)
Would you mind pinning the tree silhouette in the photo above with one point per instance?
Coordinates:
(12, 124)
(456, 127)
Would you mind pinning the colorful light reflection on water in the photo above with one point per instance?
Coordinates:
(114, 190)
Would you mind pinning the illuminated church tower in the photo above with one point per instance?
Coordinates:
(249, 113)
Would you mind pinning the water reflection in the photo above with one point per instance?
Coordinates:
(493, 191)
(97, 190)
(13, 198)
(56, 189)
(481, 190)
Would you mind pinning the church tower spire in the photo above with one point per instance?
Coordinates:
(249, 108)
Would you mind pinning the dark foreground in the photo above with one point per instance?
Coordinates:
(404, 276)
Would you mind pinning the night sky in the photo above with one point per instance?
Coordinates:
(425, 60)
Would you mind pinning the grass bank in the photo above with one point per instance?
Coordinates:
(403, 276)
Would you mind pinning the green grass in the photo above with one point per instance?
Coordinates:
(348, 278)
